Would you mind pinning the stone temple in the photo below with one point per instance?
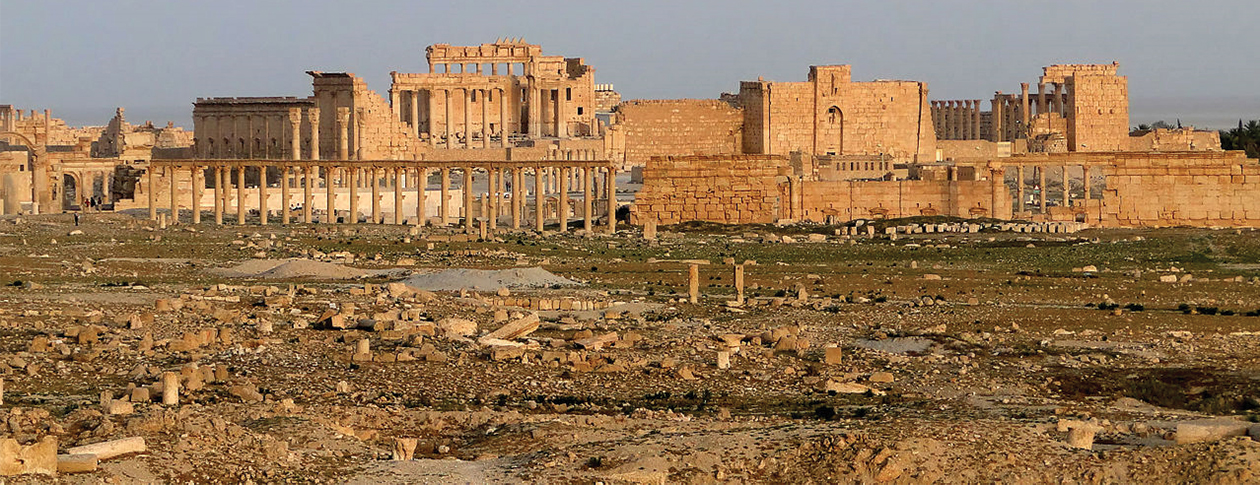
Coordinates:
(503, 133)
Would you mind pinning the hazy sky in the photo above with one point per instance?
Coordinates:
(1196, 60)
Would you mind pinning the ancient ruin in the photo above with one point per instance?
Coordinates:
(499, 271)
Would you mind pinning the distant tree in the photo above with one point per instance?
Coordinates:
(1245, 137)
(1144, 128)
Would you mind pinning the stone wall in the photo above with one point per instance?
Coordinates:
(1099, 119)
(729, 189)
(1187, 188)
(655, 128)
(1165, 140)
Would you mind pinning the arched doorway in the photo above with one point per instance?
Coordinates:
(831, 132)
(69, 193)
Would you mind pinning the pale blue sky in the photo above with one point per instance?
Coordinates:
(1196, 60)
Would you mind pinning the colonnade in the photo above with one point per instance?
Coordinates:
(419, 107)
(1040, 173)
(957, 120)
(507, 186)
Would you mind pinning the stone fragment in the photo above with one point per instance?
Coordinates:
(80, 463)
(723, 359)
(1213, 429)
(882, 377)
(170, 388)
(110, 449)
(597, 342)
(456, 327)
(516, 329)
(833, 355)
(39, 458)
(404, 448)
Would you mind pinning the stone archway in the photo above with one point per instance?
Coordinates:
(831, 132)
(70, 189)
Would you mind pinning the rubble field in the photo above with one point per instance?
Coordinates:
(378, 354)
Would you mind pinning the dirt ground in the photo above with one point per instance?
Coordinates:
(992, 357)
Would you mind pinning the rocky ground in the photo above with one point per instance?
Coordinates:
(936, 358)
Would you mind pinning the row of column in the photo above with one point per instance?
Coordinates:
(550, 184)
(1039, 172)
(510, 123)
(957, 120)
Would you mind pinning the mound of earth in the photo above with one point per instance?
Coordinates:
(486, 279)
(279, 269)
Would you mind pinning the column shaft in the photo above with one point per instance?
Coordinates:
(152, 193)
(422, 180)
(306, 194)
(468, 200)
(240, 195)
(517, 195)
(467, 118)
(564, 199)
(376, 195)
(196, 197)
(1019, 187)
(588, 203)
(398, 196)
(354, 194)
(612, 198)
(330, 196)
(443, 206)
(218, 195)
(540, 214)
(284, 195)
(170, 173)
(485, 118)
(262, 195)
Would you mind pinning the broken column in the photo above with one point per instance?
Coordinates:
(170, 388)
(694, 285)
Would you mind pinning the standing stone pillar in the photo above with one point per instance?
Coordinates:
(936, 119)
(1067, 195)
(1023, 91)
(422, 181)
(376, 195)
(295, 133)
(562, 125)
(1019, 187)
(517, 195)
(415, 112)
(504, 133)
(152, 193)
(170, 388)
(693, 283)
(306, 194)
(467, 118)
(612, 198)
(564, 199)
(353, 173)
(170, 173)
(1086, 182)
(1057, 103)
(284, 195)
(343, 133)
(330, 195)
(218, 195)
(240, 195)
(394, 106)
(443, 206)
(312, 114)
(998, 114)
(196, 196)
(262, 194)
(447, 121)
(485, 118)
(588, 202)
(398, 195)
(360, 122)
(1041, 98)
(1041, 183)
(468, 200)
(739, 284)
(491, 201)
(965, 120)
(540, 199)
(975, 119)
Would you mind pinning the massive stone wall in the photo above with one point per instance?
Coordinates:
(1188, 188)
(730, 189)
(655, 128)
(1165, 140)
(830, 115)
(1099, 119)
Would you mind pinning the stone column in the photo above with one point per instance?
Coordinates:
(152, 193)
(262, 195)
(562, 125)
(517, 195)
(376, 195)
(450, 136)
(306, 194)
(996, 119)
(612, 198)
(284, 194)
(485, 118)
(443, 206)
(1041, 98)
(491, 201)
(415, 112)
(1019, 187)
(422, 180)
(467, 118)
(240, 195)
(975, 119)
(353, 173)
(965, 120)
(394, 105)
(1041, 182)
(563, 214)
(468, 200)
(343, 133)
(196, 196)
(218, 195)
(170, 174)
(588, 202)
(295, 134)
(1023, 90)
(330, 195)
(1067, 194)
(504, 132)
(540, 199)
(398, 195)
(360, 122)
(1086, 181)
(312, 114)
(693, 283)
(936, 119)
(1057, 103)
(739, 284)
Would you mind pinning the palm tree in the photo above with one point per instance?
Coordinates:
(1245, 137)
